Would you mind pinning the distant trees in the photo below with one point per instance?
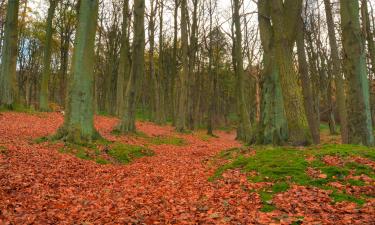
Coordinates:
(8, 79)
(275, 78)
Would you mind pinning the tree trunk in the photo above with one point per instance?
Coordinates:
(337, 73)
(78, 125)
(127, 123)
(182, 100)
(124, 64)
(44, 95)
(244, 131)
(8, 79)
(359, 123)
(306, 86)
(273, 125)
(284, 17)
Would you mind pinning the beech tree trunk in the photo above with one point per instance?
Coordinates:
(244, 132)
(78, 124)
(337, 73)
(360, 122)
(272, 127)
(182, 95)
(44, 90)
(124, 64)
(127, 123)
(8, 79)
(284, 15)
(312, 118)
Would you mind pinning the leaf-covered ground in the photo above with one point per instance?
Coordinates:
(41, 184)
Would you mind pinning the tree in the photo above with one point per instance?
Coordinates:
(78, 125)
(124, 64)
(359, 123)
(337, 73)
(244, 130)
(182, 95)
(284, 16)
(8, 80)
(312, 118)
(127, 123)
(273, 125)
(43, 101)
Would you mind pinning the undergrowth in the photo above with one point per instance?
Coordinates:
(105, 152)
(284, 166)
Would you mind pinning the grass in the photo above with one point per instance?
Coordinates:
(158, 140)
(284, 166)
(104, 152)
(125, 153)
(3, 150)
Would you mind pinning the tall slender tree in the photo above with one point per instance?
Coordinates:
(182, 95)
(43, 98)
(124, 64)
(78, 124)
(337, 73)
(312, 118)
(244, 132)
(360, 122)
(8, 80)
(127, 123)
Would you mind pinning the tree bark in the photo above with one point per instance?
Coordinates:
(182, 102)
(284, 15)
(78, 124)
(272, 127)
(359, 123)
(8, 79)
(244, 132)
(127, 123)
(306, 85)
(337, 73)
(124, 64)
(44, 91)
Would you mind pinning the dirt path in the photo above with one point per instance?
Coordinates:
(42, 186)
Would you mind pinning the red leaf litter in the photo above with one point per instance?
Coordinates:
(39, 185)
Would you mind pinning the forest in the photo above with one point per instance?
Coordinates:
(187, 112)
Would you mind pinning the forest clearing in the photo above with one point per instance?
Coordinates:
(187, 112)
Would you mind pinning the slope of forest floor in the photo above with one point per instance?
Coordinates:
(161, 177)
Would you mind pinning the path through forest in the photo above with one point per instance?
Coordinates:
(41, 185)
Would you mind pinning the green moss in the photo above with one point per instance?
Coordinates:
(337, 196)
(3, 150)
(41, 140)
(125, 153)
(101, 161)
(82, 154)
(285, 165)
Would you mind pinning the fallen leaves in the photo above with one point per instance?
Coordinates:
(42, 186)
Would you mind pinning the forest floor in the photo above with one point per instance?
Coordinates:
(44, 182)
